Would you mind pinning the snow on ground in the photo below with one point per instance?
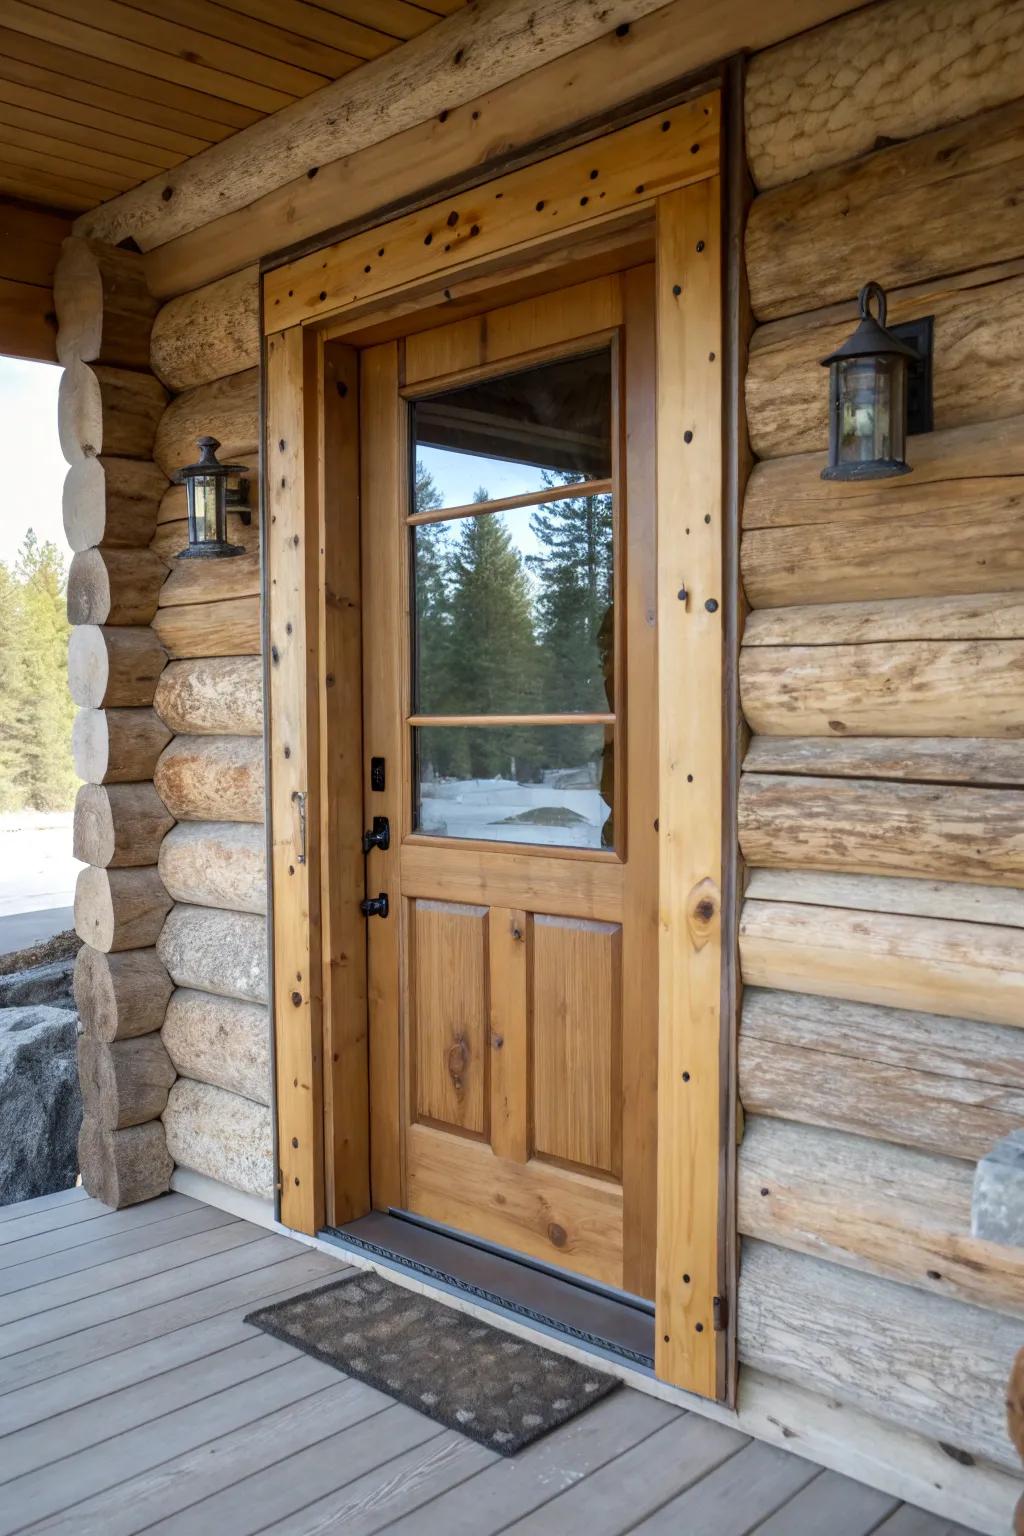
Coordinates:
(37, 870)
(500, 810)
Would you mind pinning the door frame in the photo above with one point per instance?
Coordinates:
(653, 183)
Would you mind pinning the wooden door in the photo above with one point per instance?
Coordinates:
(510, 739)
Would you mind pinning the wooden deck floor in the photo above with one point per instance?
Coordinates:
(134, 1398)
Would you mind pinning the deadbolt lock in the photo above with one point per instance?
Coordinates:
(379, 835)
(375, 906)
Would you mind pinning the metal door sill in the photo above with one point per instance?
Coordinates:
(598, 1319)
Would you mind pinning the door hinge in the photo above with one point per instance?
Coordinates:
(720, 1313)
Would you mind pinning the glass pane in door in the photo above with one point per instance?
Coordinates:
(550, 784)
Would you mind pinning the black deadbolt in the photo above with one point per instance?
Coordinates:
(379, 836)
(375, 906)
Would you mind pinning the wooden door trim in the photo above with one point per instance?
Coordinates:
(692, 1189)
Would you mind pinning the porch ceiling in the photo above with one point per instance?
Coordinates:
(97, 96)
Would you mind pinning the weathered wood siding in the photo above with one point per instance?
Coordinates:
(882, 675)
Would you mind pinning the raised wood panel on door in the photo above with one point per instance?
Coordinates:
(449, 1005)
(577, 1042)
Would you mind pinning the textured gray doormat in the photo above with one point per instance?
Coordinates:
(500, 1390)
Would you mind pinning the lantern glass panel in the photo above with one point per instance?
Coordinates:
(206, 509)
(869, 400)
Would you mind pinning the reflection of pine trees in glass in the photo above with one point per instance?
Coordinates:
(499, 634)
(492, 658)
(573, 578)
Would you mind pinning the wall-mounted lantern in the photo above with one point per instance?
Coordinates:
(867, 425)
(211, 489)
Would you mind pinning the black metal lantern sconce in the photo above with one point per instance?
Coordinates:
(212, 488)
(868, 395)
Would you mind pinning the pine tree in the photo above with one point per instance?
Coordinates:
(45, 773)
(13, 692)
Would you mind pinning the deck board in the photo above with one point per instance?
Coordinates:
(134, 1397)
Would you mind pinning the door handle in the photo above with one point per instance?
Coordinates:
(379, 836)
(375, 906)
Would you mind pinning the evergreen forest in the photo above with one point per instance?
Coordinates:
(36, 711)
(500, 631)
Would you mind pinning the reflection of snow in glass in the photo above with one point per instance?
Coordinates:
(562, 813)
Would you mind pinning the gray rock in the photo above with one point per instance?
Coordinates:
(40, 1104)
(997, 1204)
(48, 984)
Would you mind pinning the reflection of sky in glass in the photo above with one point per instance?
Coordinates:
(458, 476)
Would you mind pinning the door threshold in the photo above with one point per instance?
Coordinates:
(616, 1325)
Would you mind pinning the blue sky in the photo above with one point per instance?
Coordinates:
(34, 466)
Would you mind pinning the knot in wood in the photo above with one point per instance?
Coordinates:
(557, 1234)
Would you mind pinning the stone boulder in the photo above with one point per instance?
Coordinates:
(49, 984)
(40, 1103)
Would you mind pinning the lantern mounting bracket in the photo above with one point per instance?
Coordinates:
(919, 333)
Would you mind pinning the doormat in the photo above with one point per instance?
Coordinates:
(502, 1391)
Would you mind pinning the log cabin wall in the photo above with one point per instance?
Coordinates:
(205, 350)
(881, 807)
(109, 405)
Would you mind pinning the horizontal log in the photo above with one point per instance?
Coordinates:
(114, 586)
(788, 492)
(104, 309)
(125, 1083)
(117, 746)
(209, 581)
(871, 1206)
(998, 904)
(119, 825)
(213, 696)
(108, 410)
(208, 333)
(898, 213)
(121, 996)
(229, 628)
(960, 969)
(890, 73)
(212, 778)
(112, 502)
(220, 1040)
(222, 1135)
(214, 951)
(216, 864)
(113, 666)
(937, 760)
(171, 538)
(912, 1104)
(930, 1364)
(979, 616)
(921, 688)
(122, 1168)
(935, 553)
(941, 832)
(901, 1038)
(227, 409)
(119, 909)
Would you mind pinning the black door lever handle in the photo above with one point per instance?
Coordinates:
(379, 836)
(375, 906)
